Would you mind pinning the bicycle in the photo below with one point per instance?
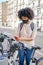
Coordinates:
(8, 54)
(15, 48)
(4, 53)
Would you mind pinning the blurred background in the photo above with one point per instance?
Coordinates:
(9, 9)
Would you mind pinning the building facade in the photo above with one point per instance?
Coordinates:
(3, 13)
(0, 14)
(12, 13)
(13, 6)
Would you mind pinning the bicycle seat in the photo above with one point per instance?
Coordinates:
(37, 48)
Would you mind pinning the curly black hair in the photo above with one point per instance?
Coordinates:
(28, 12)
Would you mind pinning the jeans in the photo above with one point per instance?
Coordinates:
(27, 56)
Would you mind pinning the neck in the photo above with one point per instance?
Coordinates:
(26, 21)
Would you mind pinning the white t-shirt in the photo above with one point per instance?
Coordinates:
(26, 32)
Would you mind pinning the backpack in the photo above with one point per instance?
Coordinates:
(31, 25)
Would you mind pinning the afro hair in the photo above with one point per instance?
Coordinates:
(28, 12)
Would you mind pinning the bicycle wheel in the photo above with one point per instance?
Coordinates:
(39, 61)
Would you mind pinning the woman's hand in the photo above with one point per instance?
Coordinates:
(17, 38)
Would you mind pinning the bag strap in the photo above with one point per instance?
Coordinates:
(21, 25)
(31, 25)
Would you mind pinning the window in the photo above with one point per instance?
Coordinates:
(18, 8)
(22, 1)
(41, 1)
(35, 12)
(19, 1)
(26, 1)
(35, 3)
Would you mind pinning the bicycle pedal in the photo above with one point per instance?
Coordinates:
(34, 60)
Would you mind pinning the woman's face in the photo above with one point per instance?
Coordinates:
(24, 18)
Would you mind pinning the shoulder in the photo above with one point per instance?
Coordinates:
(33, 23)
(35, 26)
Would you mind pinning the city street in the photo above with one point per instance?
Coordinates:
(30, 14)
